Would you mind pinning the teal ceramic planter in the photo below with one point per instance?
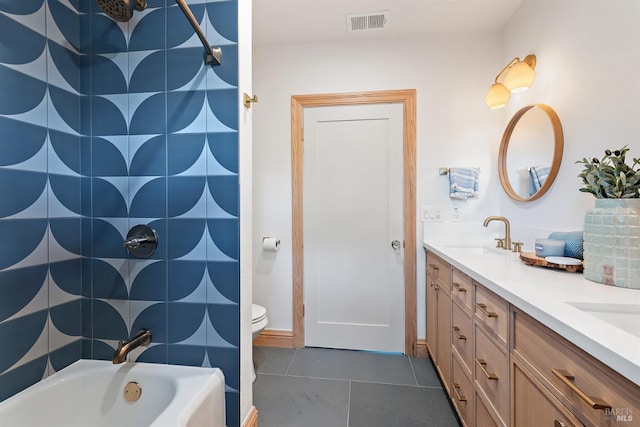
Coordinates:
(612, 243)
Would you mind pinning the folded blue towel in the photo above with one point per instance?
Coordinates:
(573, 242)
(539, 175)
(463, 182)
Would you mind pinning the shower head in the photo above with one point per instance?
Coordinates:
(121, 10)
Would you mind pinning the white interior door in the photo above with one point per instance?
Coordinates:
(353, 211)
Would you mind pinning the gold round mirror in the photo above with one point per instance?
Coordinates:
(530, 152)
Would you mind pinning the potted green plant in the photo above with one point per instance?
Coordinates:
(612, 229)
(611, 177)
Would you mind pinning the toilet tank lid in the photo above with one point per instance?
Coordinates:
(257, 311)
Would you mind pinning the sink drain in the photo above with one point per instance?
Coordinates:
(132, 391)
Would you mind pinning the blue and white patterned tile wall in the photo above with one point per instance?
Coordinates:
(163, 136)
(40, 190)
(140, 132)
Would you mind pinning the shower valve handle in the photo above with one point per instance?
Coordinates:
(141, 241)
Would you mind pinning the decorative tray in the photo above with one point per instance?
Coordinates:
(530, 258)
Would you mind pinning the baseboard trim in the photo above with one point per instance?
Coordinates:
(252, 418)
(274, 338)
(421, 348)
(284, 339)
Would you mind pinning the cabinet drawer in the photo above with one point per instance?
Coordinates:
(579, 381)
(492, 372)
(462, 336)
(462, 289)
(492, 311)
(535, 406)
(438, 272)
(462, 392)
(483, 416)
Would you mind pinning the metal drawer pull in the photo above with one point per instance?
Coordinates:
(557, 423)
(567, 379)
(459, 396)
(434, 267)
(457, 332)
(435, 286)
(483, 308)
(482, 364)
(458, 287)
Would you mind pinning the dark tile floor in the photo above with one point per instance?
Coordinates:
(317, 387)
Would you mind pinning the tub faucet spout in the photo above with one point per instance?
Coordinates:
(142, 337)
(507, 229)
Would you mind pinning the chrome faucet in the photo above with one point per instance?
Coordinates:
(142, 337)
(507, 229)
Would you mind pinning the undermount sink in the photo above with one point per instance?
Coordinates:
(622, 316)
(478, 249)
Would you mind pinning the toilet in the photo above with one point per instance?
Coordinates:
(259, 321)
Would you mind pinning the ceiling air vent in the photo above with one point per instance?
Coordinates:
(367, 21)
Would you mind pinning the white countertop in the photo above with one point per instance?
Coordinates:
(545, 294)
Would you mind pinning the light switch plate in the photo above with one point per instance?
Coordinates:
(431, 213)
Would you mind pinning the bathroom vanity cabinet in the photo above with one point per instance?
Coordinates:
(504, 368)
(479, 348)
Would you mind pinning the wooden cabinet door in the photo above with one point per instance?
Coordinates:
(444, 336)
(432, 317)
(438, 315)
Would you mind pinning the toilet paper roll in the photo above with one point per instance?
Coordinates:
(270, 244)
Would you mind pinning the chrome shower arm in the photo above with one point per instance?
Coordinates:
(213, 56)
(122, 11)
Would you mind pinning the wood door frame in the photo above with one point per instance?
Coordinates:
(408, 100)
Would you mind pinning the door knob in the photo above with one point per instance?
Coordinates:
(395, 245)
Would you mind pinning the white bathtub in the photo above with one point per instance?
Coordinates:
(91, 393)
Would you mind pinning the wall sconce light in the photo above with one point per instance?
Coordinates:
(519, 77)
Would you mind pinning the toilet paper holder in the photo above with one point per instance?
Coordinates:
(270, 244)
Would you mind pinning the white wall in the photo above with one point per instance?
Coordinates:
(588, 70)
(451, 76)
